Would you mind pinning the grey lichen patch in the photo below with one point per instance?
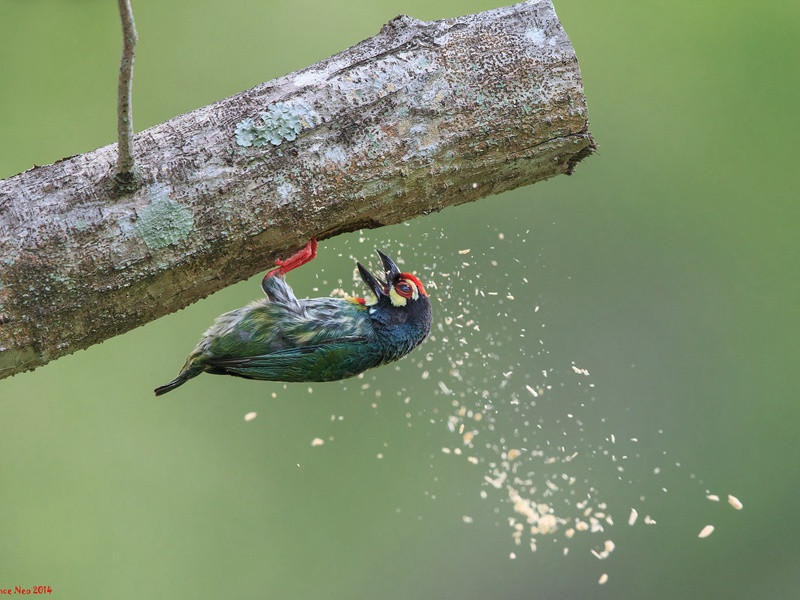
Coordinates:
(164, 221)
(335, 154)
(535, 36)
(282, 121)
(287, 192)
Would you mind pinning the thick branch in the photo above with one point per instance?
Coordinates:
(125, 157)
(417, 118)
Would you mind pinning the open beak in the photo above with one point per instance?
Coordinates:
(375, 285)
(392, 272)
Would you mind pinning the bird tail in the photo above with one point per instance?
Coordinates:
(191, 369)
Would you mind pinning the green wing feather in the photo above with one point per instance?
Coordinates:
(327, 361)
(282, 338)
(322, 339)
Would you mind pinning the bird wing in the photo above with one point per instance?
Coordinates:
(326, 361)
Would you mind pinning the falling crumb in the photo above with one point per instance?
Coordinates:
(466, 519)
(648, 520)
(633, 516)
(532, 391)
(317, 442)
(735, 502)
(706, 531)
(465, 251)
(446, 450)
(513, 453)
(472, 459)
(498, 482)
(713, 497)
(603, 579)
(512, 555)
(580, 371)
(547, 524)
(250, 416)
(379, 455)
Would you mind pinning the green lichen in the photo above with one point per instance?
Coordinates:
(282, 121)
(164, 221)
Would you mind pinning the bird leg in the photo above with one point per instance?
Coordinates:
(299, 258)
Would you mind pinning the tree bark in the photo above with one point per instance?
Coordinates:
(422, 116)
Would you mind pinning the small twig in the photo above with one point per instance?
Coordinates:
(125, 158)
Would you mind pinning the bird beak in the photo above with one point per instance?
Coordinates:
(375, 285)
(392, 272)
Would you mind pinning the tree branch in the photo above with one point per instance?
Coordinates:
(125, 157)
(419, 117)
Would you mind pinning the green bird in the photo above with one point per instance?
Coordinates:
(283, 338)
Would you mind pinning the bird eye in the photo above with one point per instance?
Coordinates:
(404, 289)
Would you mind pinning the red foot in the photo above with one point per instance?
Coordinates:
(304, 255)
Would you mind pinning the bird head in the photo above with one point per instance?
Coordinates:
(399, 290)
(399, 307)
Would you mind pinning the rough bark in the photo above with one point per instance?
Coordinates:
(422, 116)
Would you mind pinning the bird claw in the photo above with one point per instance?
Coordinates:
(299, 258)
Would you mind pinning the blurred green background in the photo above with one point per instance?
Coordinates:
(667, 267)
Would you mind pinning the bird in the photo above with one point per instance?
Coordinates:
(283, 338)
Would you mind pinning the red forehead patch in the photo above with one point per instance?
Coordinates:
(415, 281)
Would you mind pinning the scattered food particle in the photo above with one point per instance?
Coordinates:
(513, 453)
(706, 531)
(603, 579)
(547, 524)
(466, 519)
(317, 442)
(633, 516)
(713, 497)
(498, 482)
(250, 416)
(465, 251)
(735, 502)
